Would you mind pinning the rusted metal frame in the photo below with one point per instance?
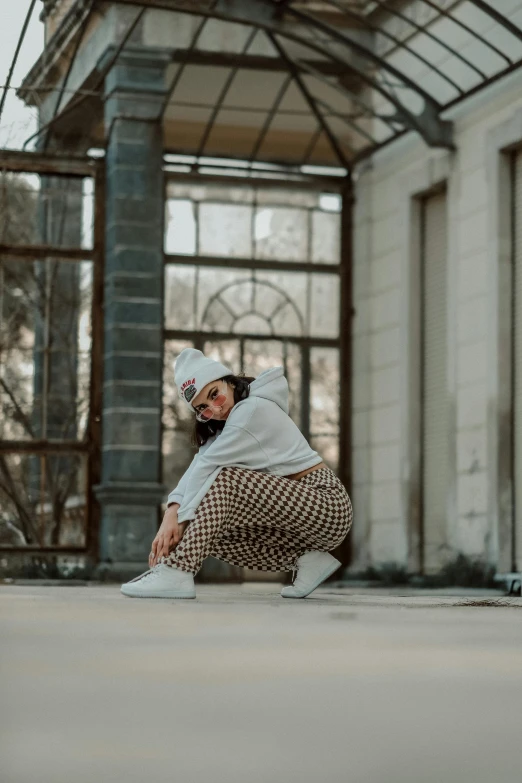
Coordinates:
(202, 336)
(346, 120)
(306, 377)
(514, 305)
(15, 56)
(266, 126)
(309, 151)
(332, 183)
(44, 446)
(478, 87)
(222, 95)
(175, 81)
(397, 41)
(346, 93)
(250, 263)
(416, 122)
(79, 39)
(498, 17)
(43, 550)
(426, 32)
(286, 301)
(223, 162)
(19, 161)
(253, 62)
(310, 101)
(345, 351)
(470, 30)
(239, 109)
(367, 153)
(35, 252)
(94, 429)
(364, 51)
(417, 522)
(74, 104)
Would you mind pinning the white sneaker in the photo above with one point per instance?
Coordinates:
(312, 569)
(162, 581)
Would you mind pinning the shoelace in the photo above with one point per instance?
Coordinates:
(147, 575)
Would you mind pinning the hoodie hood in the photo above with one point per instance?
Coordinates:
(272, 385)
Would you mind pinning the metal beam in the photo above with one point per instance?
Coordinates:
(36, 252)
(401, 44)
(44, 447)
(248, 62)
(464, 26)
(345, 353)
(499, 18)
(200, 336)
(436, 132)
(310, 101)
(46, 163)
(251, 263)
(222, 95)
(267, 15)
(93, 432)
(317, 183)
(44, 550)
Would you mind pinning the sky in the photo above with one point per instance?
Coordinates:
(18, 121)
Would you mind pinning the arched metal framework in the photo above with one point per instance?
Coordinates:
(360, 51)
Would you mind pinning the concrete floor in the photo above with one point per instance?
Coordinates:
(241, 685)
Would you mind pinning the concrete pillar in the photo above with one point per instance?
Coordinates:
(130, 490)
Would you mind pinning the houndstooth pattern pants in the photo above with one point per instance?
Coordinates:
(264, 522)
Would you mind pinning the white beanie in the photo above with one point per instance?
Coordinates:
(192, 372)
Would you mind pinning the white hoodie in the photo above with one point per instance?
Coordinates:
(258, 435)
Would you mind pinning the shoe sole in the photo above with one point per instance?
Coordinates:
(159, 595)
(328, 572)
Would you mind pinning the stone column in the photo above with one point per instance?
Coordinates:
(130, 490)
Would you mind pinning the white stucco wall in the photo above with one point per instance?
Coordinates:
(385, 355)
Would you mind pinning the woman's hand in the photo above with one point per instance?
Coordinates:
(168, 536)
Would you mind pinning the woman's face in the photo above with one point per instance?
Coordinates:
(208, 394)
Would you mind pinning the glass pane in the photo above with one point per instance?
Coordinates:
(216, 193)
(216, 290)
(180, 227)
(292, 368)
(224, 351)
(328, 447)
(225, 230)
(289, 198)
(252, 323)
(45, 349)
(324, 391)
(281, 233)
(179, 297)
(283, 300)
(240, 297)
(326, 237)
(177, 420)
(260, 355)
(324, 317)
(43, 500)
(45, 210)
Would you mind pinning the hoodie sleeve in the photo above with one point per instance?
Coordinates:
(234, 447)
(177, 494)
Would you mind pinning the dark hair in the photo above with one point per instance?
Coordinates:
(203, 430)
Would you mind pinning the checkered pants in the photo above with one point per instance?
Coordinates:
(265, 522)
